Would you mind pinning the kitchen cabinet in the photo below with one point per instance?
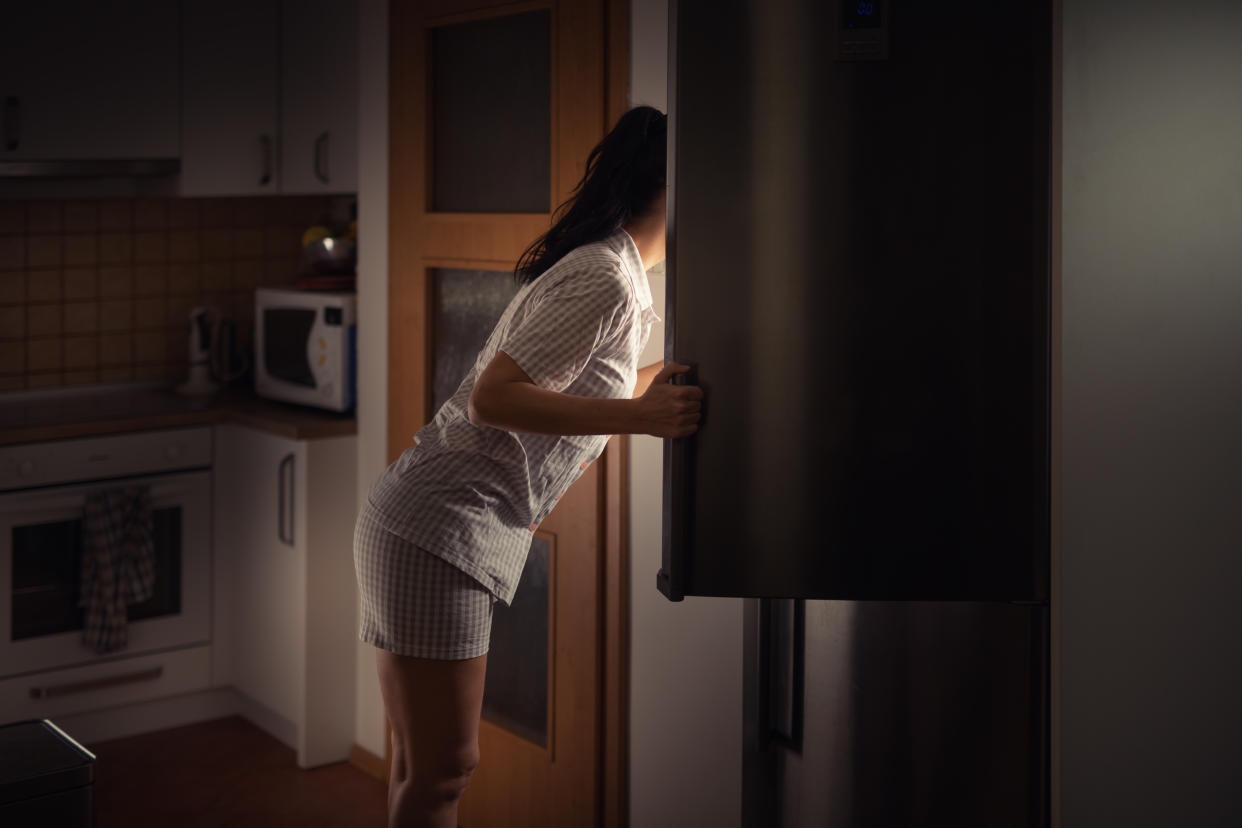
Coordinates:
(97, 82)
(286, 596)
(269, 97)
(319, 97)
(230, 91)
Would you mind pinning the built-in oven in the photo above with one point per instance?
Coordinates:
(43, 491)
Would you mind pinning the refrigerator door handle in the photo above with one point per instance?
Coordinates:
(678, 501)
(782, 630)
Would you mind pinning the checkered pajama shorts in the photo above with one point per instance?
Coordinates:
(414, 603)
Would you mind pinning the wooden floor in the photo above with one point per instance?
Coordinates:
(226, 772)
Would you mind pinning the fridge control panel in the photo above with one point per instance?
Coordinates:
(863, 33)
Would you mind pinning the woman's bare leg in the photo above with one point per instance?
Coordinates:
(433, 709)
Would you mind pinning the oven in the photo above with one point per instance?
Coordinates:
(43, 490)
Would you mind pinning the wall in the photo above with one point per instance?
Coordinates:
(369, 718)
(685, 658)
(100, 290)
(1152, 414)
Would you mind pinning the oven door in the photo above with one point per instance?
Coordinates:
(40, 558)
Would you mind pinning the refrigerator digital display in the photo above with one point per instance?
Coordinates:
(864, 14)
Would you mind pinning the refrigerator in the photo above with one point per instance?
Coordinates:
(858, 271)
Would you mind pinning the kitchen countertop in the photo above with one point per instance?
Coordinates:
(31, 417)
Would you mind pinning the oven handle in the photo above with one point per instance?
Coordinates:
(52, 691)
(163, 488)
(281, 495)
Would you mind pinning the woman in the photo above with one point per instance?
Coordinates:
(446, 528)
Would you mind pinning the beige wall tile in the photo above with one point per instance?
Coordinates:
(12, 321)
(116, 216)
(151, 214)
(150, 280)
(12, 382)
(81, 217)
(250, 212)
(217, 275)
(151, 247)
(149, 312)
(280, 242)
(81, 377)
(176, 346)
(12, 356)
(43, 320)
(81, 317)
(116, 248)
(81, 283)
(12, 252)
(116, 373)
(12, 217)
(43, 355)
(81, 352)
(44, 286)
(44, 216)
(183, 246)
(44, 251)
(248, 244)
(184, 278)
(116, 282)
(218, 300)
(183, 213)
(217, 245)
(48, 380)
(12, 286)
(148, 347)
(280, 272)
(116, 349)
(81, 250)
(147, 373)
(247, 275)
(179, 310)
(116, 315)
(217, 212)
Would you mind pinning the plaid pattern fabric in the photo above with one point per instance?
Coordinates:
(413, 603)
(118, 563)
(474, 495)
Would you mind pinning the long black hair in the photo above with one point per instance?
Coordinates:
(624, 175)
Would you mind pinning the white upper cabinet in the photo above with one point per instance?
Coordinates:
(89, 81)
(230, 93)
(319, 100)
(269, 97)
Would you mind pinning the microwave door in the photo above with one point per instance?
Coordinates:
(286, 356)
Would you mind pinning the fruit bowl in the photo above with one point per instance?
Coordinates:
(331, 255)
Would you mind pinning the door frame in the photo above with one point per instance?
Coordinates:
(406, 332)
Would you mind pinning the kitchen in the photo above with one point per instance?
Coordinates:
(1144, 443)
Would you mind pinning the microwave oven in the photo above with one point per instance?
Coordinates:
(305, 347)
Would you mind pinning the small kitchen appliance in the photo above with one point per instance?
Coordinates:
(214, 358)
(305, 347)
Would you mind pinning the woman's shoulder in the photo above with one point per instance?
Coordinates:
(596, 263)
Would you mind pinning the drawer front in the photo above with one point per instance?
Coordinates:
(94, 458)
(124, 681)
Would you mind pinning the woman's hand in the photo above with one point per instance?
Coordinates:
(667, 410)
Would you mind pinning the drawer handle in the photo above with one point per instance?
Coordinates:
(55, 690)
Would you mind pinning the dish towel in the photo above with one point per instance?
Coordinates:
(118, 563)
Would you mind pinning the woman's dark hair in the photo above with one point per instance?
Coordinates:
(624, 174)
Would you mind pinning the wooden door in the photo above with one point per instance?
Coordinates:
(493, 110)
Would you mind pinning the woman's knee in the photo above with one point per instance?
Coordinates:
(445, 780)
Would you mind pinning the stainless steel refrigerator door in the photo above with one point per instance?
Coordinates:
(908, 714)
(858, 270)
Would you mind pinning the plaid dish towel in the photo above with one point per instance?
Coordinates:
(118, 563)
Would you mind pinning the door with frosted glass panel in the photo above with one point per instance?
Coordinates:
(493, 112)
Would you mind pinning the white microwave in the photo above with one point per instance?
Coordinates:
(305, 343)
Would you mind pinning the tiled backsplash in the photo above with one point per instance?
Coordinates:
(101, 290)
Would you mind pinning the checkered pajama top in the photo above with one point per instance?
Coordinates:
(474, 495)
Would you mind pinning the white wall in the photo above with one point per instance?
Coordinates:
(685, 658)
(1152, 414)
(369, 720)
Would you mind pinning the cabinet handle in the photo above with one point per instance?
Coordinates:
(281, 495)
(265, 143)
(321, 157)
(96, 684)
(12, 122)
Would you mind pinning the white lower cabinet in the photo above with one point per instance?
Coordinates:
(286, 600)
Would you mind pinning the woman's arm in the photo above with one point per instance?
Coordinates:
(505, 397)
(645, 377)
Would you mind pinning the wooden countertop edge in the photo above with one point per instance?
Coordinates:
(243, 414)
